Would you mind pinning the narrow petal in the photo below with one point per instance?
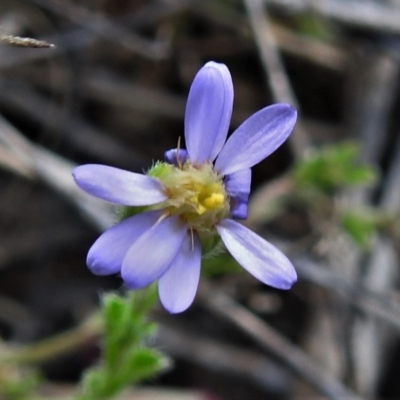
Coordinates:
(208, 112)
(260, 258)
(106, 254)
(177, 287)
(239, 207)
(237, 186)
(176, 156)
(258, 137)
(238, 183)
(152, 253)
(118, 186)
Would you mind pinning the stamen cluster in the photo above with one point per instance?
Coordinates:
(194, 193)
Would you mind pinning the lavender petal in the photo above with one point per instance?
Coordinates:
(152, 253)
(258, 137)
(176, 156)
(237, 186)
(118, 186)
(208, 112)
(106, 254)
(263, 260)
(239, 208)
(177, 287)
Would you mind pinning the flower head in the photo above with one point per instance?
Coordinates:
(194, 195)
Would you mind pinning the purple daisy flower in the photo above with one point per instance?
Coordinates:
(194, 195)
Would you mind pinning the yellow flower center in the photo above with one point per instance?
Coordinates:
(196, 194)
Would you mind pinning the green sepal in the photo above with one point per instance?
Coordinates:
(221, 264)
(124, 212)
(215, 259)
(160, 169)
(211, 246)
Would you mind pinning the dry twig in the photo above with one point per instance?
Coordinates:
(276, 344)
(275, 72)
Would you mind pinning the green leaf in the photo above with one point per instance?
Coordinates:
(332, 168)
(125, 358)
(145, 363)
(360, 226)
(313, 25)
(19, 384)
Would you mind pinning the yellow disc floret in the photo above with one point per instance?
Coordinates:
(195, 193)
(214, 201)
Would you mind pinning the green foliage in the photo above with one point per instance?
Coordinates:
(332, 168)
(220, 265)
(311, 24)
(17, 384)
(215, 259)
(361, 225)
(125, 212)
(125, 358)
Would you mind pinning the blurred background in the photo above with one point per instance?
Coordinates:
(113, 91)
